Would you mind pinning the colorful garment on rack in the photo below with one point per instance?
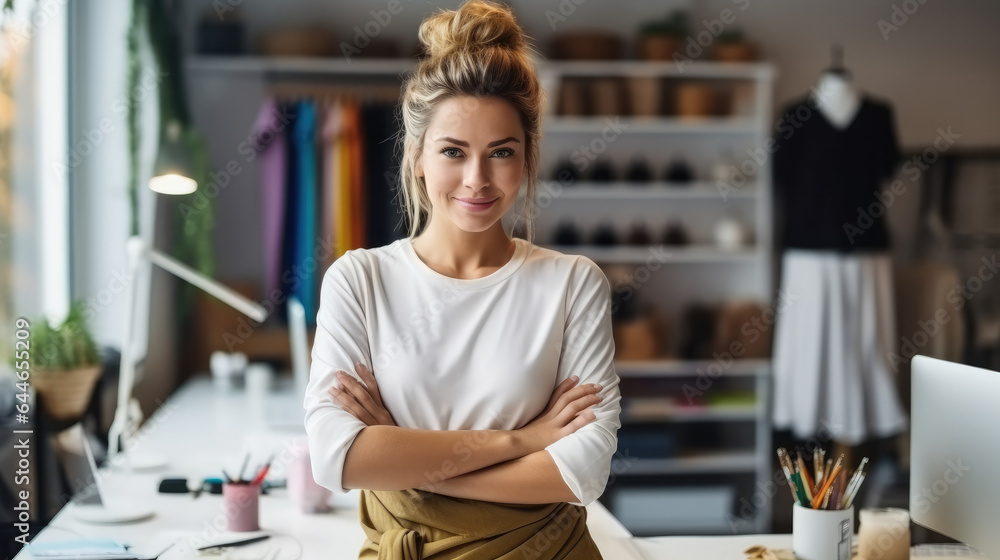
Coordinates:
(269, 139)
(304, 265)
(414, 524)
(329, 134)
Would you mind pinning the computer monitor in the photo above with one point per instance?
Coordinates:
(299, 343)
(955, 452)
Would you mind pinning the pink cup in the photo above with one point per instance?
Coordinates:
(240, 504)
(303, 489)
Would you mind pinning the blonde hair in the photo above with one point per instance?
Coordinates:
(476, 51)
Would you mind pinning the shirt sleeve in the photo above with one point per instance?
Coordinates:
(584, 457)
(341, 340)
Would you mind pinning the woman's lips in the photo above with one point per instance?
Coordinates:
(475, 206)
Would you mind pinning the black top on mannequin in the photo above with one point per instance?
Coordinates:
(835, 146)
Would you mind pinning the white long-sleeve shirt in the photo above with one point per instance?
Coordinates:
(465, 354)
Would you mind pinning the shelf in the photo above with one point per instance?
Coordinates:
(653, 190)
(388, 66)
(651, 125)
(302, 65)
(664, 69)
(658, 253)
(699, 414)
(726, 462)
(691, 368)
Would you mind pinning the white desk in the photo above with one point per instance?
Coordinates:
(201, 430)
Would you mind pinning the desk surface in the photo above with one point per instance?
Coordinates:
(202, 429)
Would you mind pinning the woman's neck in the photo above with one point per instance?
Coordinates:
(461, 254)
(837, 98)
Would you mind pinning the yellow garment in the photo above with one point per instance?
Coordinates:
(343, 241)
(415, 524)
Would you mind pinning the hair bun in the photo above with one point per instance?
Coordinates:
(474, 26)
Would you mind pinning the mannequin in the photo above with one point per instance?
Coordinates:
(836, 97)
(832, 376)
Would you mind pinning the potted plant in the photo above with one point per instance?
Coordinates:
(731, 46)
(65, 365)
(660, 39)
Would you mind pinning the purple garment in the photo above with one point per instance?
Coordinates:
(269, 133)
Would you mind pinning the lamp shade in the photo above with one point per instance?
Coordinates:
(172, 172)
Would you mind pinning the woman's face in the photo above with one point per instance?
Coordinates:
(472, 161)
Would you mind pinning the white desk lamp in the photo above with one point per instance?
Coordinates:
(171, 175)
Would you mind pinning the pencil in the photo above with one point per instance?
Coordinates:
(782, 455)
(806, 479)
(854, 491)
(855, 480)
(828, 483)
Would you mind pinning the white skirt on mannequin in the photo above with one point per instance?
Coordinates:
(832, 375)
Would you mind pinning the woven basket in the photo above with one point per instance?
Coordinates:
(66, 393)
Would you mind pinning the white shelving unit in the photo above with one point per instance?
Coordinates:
(699, 272)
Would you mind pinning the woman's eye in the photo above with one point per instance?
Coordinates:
(455, 152)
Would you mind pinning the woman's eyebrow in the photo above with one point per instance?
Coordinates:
(466, 144)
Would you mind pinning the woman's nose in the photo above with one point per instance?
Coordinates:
(476, 174)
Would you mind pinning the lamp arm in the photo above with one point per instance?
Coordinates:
(138, 250)
(245, 306)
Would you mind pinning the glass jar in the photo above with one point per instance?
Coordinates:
(884, 534)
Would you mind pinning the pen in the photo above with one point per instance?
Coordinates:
(243, 467)
(263, 471)
(236, 543)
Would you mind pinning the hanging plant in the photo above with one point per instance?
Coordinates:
(192, 242)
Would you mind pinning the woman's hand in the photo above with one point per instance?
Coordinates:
(363, 401)
(567, 412)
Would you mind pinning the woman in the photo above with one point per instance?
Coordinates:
(463, 379)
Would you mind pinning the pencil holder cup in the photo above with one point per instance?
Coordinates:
(303, 489)
(240, 505)
(822, 534)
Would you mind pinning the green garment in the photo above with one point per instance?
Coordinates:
(415, 524)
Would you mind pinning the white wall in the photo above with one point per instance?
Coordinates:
(939, 69)
(100, 207)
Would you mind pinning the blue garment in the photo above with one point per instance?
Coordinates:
(304, 263)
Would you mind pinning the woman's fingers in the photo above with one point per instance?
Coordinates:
(577, 393)
(369, 379)
(561, 389)
(359, 392)
(582, 419)
(579, 406)
(349, 403)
